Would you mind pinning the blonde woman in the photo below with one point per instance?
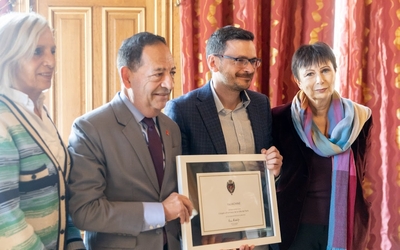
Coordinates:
(34, 162)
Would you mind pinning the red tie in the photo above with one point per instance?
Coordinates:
(155, 147)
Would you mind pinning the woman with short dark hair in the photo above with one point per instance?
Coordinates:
(323, 139)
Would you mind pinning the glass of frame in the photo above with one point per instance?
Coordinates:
(234, 201)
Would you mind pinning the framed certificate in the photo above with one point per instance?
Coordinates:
(234, 201)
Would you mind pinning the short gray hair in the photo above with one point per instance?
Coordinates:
(19, 34)
(130, 52)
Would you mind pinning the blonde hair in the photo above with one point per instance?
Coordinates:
(19, 34)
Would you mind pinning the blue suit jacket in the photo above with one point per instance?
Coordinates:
(197, 117)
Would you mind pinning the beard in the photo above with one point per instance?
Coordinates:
(238, 81)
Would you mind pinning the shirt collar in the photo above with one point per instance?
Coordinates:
(23, 99)
(243, 95)
(135, 112)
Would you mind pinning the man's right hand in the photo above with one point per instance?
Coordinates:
(177, 206)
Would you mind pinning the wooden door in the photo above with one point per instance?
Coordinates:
(88, 35)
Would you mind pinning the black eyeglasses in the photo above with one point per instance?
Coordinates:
(242, 62)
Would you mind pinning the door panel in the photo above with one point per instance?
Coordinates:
(88, 35)
(120, 24)
(71, 92)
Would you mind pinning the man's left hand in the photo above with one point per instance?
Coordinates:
(274, 160)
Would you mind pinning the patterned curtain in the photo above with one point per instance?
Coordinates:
(293, 22)
(367, 41)
(369, 45)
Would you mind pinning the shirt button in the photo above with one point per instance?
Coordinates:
(33, 177)
(62, 197)
(62, 231)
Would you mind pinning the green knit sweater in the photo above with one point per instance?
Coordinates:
(32, 189)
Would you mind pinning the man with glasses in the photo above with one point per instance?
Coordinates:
(223, 116)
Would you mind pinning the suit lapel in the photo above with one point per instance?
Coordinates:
(133, 134)
(207, 110)
(257, 125)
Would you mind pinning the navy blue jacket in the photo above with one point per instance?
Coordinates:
(197, 117)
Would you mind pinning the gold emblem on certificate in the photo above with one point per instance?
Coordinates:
(230, 185)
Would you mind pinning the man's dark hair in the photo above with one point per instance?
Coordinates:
(310, 54)
(217, 42)
(130, 52)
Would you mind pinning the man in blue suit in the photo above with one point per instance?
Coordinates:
(223, 116)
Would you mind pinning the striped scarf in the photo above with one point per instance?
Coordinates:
(346, 120)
